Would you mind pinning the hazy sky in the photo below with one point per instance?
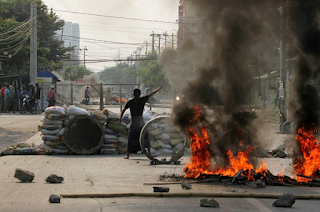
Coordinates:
(131, 33)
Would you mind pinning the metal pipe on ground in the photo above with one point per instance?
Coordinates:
(222, 194)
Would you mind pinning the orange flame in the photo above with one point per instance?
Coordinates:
(200, 158)
(309, 165)
(118, 99)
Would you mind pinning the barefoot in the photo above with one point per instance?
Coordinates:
(126, 157)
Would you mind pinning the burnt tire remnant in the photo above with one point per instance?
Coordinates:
(84, 135)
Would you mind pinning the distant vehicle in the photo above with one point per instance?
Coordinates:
(28, 105)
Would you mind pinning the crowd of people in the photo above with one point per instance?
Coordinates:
(11, 101)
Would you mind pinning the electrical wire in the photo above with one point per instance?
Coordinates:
(117, 17)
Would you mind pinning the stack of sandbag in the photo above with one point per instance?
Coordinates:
(115, 132)
(20, 148)
(101, 116)
(52, 131)
(110, 143)
(165, 138)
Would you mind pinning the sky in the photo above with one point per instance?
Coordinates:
(126, 35)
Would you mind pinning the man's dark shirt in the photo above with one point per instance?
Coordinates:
(136, 105)
(37, 96)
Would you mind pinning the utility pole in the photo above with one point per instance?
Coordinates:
(152, 41)
(172, 41)
(146, 48)
(159, 35)
(33, 43)
(165, 39)
(84, 55)
(283, 64)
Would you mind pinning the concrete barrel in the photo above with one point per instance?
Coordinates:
(84, 135)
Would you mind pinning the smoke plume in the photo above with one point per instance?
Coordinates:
(223, 86)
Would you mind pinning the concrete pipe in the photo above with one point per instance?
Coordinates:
(84, 135)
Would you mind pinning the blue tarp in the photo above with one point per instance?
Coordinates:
(46, 73)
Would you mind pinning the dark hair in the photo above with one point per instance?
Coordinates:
(136, 93)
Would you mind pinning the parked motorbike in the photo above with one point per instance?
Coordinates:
(28, 105)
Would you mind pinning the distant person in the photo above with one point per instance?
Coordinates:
(38, 97)
(51, 96)
(9, 98)
(22, 95)
(2, 102)
(87, 95)
(136, 106)
(32, 93)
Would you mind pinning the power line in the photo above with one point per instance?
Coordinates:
(118, 17)
(104, 41)
(116, 60)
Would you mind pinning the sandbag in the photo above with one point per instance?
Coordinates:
(178, 147)
(73, 110)
(165, 151)
(53, 138)
(109, 146)
(158, 145)
(55, 109)
(55, 116)
(50, 132)
(24, 151)
(99, 115)
(113, 117)
(174, 142)
(171, 129)
(24, 145)
(146, 115)
(167, 146)
(111, 142)
(47, 121)
(109, 132)
(123, 140)
(71, 116)
(58, 152)
(51, 127)
(61, 132)
(109, 151)
(110, 137)
(176, 135)
(163, 136)
(117, 128)
(154, 132)
(122, 147)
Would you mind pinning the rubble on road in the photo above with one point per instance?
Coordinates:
(256, 184)
(185, 185)
(286, 200)
(209, 203)
(54, 179)
(24, 176)
(161, 189)
(54, 198)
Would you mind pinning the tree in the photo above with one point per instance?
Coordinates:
(74, 72)
(152, 73)
(51, 52)
(120, 74)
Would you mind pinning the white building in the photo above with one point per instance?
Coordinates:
(70, 35)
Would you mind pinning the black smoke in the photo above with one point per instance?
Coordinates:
(232, 31)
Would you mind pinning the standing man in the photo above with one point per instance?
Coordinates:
(51, 96)
(38, 97)
(87, 95)
(136, 106)
(2, 105)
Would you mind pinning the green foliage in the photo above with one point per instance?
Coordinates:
(120, 74)
(51, 53)
(152, 74)
(74, 72)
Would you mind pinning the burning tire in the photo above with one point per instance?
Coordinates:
(166, 140)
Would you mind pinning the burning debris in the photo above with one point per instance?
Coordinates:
(223, 142)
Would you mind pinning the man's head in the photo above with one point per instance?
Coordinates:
(136, 93)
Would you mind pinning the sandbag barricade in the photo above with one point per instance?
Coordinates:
(52, 132)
